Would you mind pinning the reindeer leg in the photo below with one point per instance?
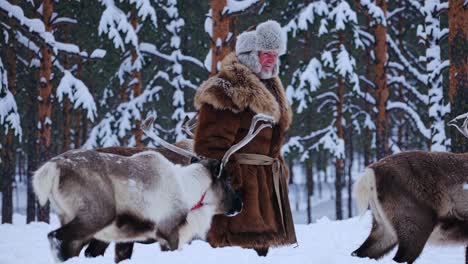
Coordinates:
(413, 224)
(262, 251)
(466, 254)
(96, 248)
(68, 240)
(123, 251)
(379, 242)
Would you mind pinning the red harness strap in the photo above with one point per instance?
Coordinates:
(199, 204)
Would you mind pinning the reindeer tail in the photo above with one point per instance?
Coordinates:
(363, 190)
(43, 180)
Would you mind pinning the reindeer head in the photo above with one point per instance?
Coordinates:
(221, 193)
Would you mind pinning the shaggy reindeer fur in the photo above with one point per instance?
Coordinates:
(414, 197)
(226, 103)
(124, 251)
(114, 198)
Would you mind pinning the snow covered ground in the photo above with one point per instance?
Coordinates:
(325, 242)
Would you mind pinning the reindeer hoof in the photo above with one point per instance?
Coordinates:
(56, 247)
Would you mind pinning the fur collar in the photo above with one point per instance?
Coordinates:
(237, 88)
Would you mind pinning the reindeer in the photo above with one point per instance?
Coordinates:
(415, 197)
(124, 251)
(138, 198)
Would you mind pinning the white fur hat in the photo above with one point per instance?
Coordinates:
(246, 52)
(270, 36)
(245, 42)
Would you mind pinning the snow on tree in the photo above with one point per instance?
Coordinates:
(77, 93)
(219, 25)
(335, 61)
(327, 84)
(417, 78)
(9, 117)
(37, 28)
(432, 34)
(169, 72)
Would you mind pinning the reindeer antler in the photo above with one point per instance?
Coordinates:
(190, 125)
(464, 128)
(147, 128)
(253, 131)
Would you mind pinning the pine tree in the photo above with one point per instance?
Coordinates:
(458, 92)
(10, 127)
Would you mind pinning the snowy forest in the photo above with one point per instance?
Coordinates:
(366, 79)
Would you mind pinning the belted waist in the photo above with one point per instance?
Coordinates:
(254, 159)
(277, 169)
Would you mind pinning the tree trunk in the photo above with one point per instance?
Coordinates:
(291, 172)
(350, 170)
(400, 115)
(45, 106)
(8, 169)
(66, 125)
(320, 180)
(31, 135)
(309, 183)
(223, 29)
(77, 128)
(458, 38)
(136, 81)
(368, 133)
(438, 140)
(77, 115)
(458, 91)
(8, 149)
(339, 165)
(380, 81)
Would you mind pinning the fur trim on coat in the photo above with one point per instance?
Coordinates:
(237, 88)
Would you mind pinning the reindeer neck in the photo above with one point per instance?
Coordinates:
(194, 181)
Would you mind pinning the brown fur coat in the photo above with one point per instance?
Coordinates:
(226, 103)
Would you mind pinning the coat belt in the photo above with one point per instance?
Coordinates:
(277, 168)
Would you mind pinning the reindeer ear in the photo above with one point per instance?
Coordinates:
(148, 123)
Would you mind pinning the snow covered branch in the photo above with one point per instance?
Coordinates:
(415, 72)
(78, 94)
(413, 115)
(35, 29)
(9, 117)
(235, 7)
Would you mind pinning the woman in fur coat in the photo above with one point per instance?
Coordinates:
(247, 84)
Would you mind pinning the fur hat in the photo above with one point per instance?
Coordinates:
(245, 42)
(246, 52)
(270, 36)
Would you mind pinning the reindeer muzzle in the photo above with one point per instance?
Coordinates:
(237, 205)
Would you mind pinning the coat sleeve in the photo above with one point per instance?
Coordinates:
(215, 134)
(216, 131)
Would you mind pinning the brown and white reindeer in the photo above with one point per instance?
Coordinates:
(124, 251)
(415, 197)
(142, 197)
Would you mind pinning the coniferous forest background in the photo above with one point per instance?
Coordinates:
(366, 78)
